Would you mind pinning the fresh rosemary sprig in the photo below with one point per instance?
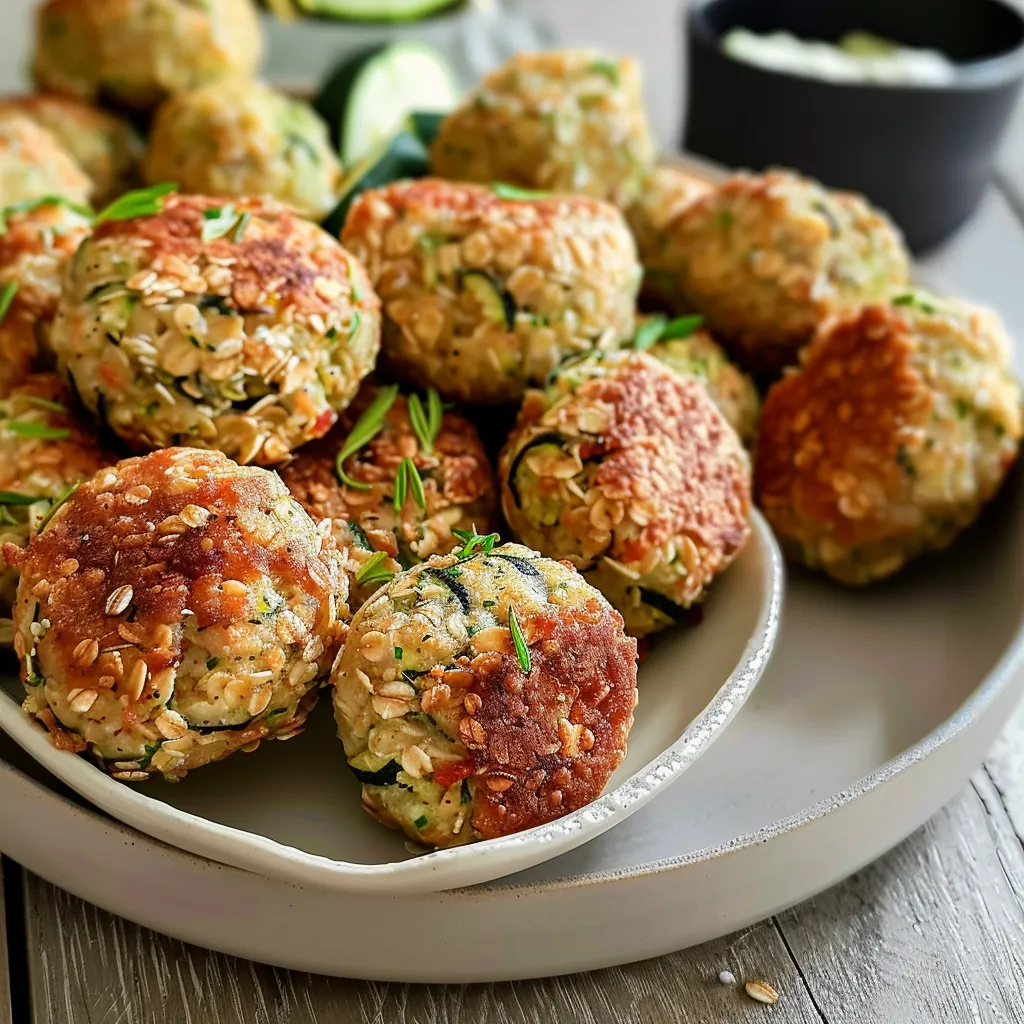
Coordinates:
(7, 297)
(474, 542)
(364, 430)
(522, 651)
(408, 479)
(26, 428)
(373, 571)
(140, 202)
(426, 424)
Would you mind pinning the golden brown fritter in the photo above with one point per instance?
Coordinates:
(767, 257)
(484, 295)
(238, 326)
(175, 608)
(457, 732)
(630, 471)
(900, 423)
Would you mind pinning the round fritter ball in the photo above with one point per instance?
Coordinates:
(34, 250)
(243, 138)
(454, 734)
(664, 194)
(767, 257)
(699, 355)
(485, 295)
(629, 471)
(458, 490)
(44, 451)
(564, 121)
(900, 423)
(137, 52)
(241, 327)
(106, 147)
(176, 608)
(33, 164)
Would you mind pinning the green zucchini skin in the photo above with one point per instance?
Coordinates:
(405, 10)
(542, 439)
(404, 156)
(386, 776)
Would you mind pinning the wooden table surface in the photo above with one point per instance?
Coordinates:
(934, 932)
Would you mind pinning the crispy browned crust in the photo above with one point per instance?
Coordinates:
(466, 203)
(104, 540)
(544, 744)
(668, 448)
(826, 462)
(281, 260)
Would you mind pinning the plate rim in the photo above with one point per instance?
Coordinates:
(456, 868)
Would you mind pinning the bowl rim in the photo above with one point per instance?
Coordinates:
(453, 868)
(981, 73)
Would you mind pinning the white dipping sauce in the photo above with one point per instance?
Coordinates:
(858, 57)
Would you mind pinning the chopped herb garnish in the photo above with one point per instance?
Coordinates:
(504, 191)
(421, 821)
(212, 663)
(426, 424)
(26, 428)
(365, 429)
(649, 332)
(522, 651)
(238, 233)
(608, 68)
(7, 297)
(682, 327)
(218, 221)
(474, 542)
(910, 299)
(373, 571)
(724, 219)
(56, 505)
(905, 461)
(408, 479)
(398, 653)
(465, 793)
(31, 205)
(13, 498)
(490, 604)
(962, 409)
(353, 280)
(44, 403)
(140, 202)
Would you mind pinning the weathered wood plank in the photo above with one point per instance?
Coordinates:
(93, 968)
(6, 1017)
(1005, 766)
(933, 932)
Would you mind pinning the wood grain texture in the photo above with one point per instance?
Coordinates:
(93, 968)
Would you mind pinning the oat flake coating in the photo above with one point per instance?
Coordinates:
(34, 164)
(767, 257)
(243, 138)
(899, 424)
(664, 194)
(451, 738)
(250, 343)
(564, 121)
(700, 356)
(106, 147)
(483, 295)
(34, 250)
(44, 451)
(629, 470)
(458, 485)
(137, 52)
(176, 608)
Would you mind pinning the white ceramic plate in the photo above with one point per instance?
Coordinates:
(300, 817)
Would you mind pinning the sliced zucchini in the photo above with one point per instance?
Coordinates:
(374, 10)
(425, 125)
(496, 303)
(662, 604)
(384, 775)
(370, 97)
(404, 156)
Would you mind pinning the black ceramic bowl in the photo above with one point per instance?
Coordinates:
(923, 153)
